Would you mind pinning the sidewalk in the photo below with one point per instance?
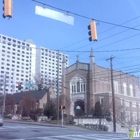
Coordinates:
(43, 124)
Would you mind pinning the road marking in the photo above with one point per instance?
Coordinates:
(82, 137)
(29, 127)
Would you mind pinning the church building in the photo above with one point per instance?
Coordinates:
(83, 84)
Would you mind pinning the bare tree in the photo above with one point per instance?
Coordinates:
(65, 100)
(123, 114)
(27, 104)
(45, 80)
(9, 104)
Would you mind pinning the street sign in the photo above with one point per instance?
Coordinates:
(54, 15)
(29, 85)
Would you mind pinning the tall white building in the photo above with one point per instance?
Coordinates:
(21, 61)
(17, 63)
(47, 66)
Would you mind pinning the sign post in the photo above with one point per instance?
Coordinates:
(62, 120)
(62, 114)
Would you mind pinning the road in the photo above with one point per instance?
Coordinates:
(17, 131)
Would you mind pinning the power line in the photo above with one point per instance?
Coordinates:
(106, 31)
(106, 78)
(105, 50)
(85, 51)
(119, 25)
(109, 43)
(37, 48)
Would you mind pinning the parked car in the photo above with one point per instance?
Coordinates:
(1, 121)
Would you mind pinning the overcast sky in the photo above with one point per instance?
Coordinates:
(56, 35)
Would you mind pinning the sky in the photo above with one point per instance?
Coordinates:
(118, 29)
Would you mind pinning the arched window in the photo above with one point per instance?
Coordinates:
(77, 84)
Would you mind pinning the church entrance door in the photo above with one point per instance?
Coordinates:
(79, 108)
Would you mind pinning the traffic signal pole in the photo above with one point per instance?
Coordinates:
(113, 96)
(58, 87)
(62, 119)
(4, 96)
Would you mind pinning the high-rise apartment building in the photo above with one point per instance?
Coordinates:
(22, 62)
(47, 66)
(17, 63)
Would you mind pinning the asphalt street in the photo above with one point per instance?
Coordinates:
(17, 131)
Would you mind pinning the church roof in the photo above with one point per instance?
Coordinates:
(36, 94)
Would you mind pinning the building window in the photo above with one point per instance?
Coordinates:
(121, 100)
(127, 103)
(134, 104)
(127, 116)
(116, 87)
(131, 90)
(77, 84)
(134, 116)
(124, 89)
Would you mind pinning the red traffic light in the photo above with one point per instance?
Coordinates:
(62, 107)
(19, 83)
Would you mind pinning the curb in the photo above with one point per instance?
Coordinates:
(33, 123)
(44, 124)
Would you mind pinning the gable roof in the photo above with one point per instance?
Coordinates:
(36, 94)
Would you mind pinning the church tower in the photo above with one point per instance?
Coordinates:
(91, 81)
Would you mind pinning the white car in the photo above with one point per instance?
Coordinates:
(1, 121)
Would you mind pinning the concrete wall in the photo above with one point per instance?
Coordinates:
(83, 121)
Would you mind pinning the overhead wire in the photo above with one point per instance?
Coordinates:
(116, 25)
(8, 50)
(119, 25)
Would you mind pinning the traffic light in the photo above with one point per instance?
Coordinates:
(19, 86)
(7, 8)
(39, 86)
(92, 31)
(62, 107)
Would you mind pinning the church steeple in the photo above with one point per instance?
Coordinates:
(63, 65)
(91, 53)
(91, 59)
(77, 63)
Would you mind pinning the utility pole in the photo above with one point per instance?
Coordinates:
(113, 96)
(4, 95)
(58, 87)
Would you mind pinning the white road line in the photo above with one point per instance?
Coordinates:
(71, 138)
(35, 138)
(14, 127)
(78, 137)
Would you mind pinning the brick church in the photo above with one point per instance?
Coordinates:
(83, 84)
